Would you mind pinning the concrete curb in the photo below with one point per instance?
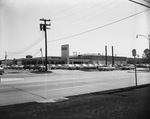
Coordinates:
(111, 91)
(123, 89)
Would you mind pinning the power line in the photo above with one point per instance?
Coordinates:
(81, 11)
(36, 53)
(67, 9)
(90, 16)
(87, 9)
(33, 44)
(38, 40)
(21, 54)
(99, 26)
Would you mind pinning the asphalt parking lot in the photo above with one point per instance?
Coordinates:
(27, 86)
(131, 103)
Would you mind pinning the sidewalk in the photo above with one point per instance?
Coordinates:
(125, 103)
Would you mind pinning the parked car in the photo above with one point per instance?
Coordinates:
(1, 70)
(39, 67)
(106, 68)
(52, 66)
(68, 66)
(96, 66)
(100, 68)
(84, 66)
(91, 66)
(20, 67)
(78, 66)
(14, 67)
(128, 67)
(28, 67)
(71, 66)
(109, 68)
(59, 66)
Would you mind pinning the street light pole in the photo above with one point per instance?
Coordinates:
(148, 38)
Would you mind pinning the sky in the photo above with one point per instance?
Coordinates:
(86, 25)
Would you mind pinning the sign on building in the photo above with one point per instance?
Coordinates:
(65, 53)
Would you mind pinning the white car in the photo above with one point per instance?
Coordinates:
(59, 66)
(91, 66)
(106, 68)
(52, 66)
(78, 66)
(85, 66)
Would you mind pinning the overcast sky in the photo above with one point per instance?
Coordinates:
(86, 25)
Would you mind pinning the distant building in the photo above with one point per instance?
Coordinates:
(97, 59)
(7, 62)
(75, 59)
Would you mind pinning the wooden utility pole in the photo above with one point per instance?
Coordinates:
(43, 27)
(112, 56)
(106, 55)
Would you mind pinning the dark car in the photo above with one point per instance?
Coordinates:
(39, 67)
(128, 67)
(1, 70)
(28, 67)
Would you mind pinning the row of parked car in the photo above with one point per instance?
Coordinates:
(82, 67)
(24, 67)
(61, 66)
(68, 67)
(91, 66)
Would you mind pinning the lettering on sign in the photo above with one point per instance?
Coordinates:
(64, 48)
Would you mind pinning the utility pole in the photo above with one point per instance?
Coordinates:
(43, 27)
(106, 55)
(112, 56)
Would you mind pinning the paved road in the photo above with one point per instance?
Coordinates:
(27, 87)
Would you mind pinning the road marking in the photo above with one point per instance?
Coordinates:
(11, 79)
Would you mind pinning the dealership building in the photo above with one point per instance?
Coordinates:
(66, 59)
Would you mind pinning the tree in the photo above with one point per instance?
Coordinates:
(146, 56)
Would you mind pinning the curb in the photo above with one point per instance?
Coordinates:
(111, 91)
(122, 89)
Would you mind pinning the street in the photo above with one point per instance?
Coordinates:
(21, 88)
